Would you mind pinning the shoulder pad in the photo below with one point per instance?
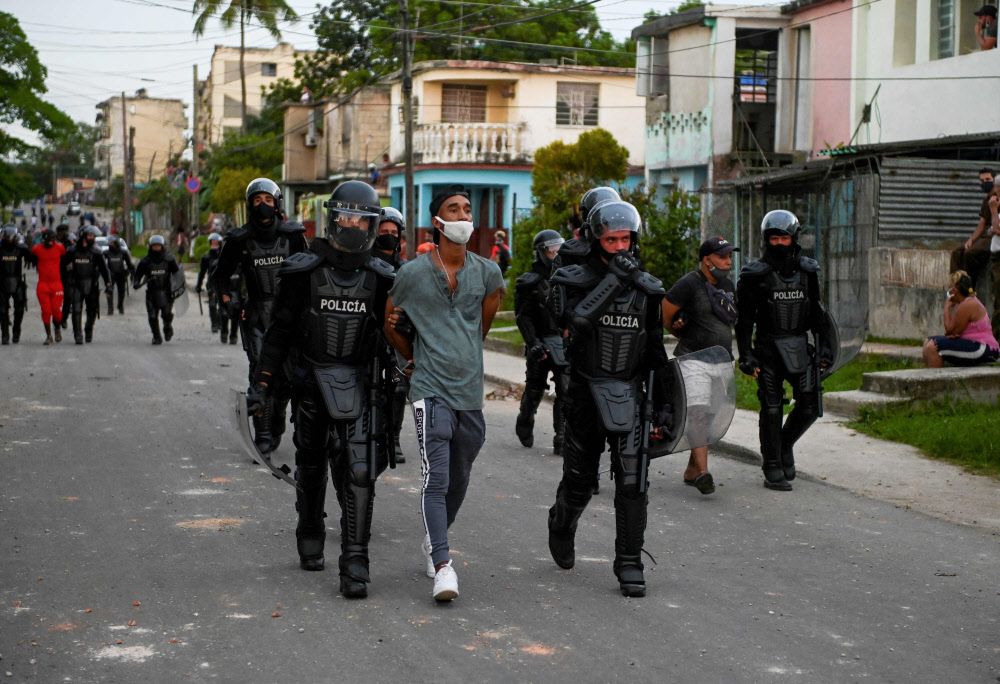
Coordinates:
(237, 234)
(168, 256)
(380, 267)
(577, 275)
(756, 269)
(649, 283)
(291, 227)
(574, 247)
(808, 264)
(300, 262)
(528, 280)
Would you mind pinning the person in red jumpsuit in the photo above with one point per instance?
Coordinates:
(50, 289)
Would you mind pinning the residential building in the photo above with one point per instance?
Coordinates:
(709, 79)
(329, 141)
(479, 124)
(159, 125)
(220, 103)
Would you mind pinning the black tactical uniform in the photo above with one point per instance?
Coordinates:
(13, 288)
(612, 310)
(327, 325)
(387, 248)
(258, 250)
(543, 342)
(83, 264)
(207, 269)
(154, 270)
(778, 300)
(120, 266)
(68, 240)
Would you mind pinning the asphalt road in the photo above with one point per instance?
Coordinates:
(138, 543)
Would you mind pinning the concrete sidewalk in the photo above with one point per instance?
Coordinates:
(834, 454)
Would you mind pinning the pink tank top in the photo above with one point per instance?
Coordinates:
(979, 331)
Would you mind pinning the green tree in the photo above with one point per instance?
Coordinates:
(174, 200)
(229, 189)
(22, 81)
(671, 231)
(267, 13)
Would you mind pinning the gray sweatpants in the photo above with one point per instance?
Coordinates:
(449, 442)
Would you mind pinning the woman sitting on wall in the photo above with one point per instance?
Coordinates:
(968, 340)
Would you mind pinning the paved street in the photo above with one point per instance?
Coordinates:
(139, 544)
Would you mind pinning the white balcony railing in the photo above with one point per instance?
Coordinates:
(446, 143)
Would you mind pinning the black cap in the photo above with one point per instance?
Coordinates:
(442, 195)
(986, 11)
(716, 245)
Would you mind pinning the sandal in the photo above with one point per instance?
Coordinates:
(703, 483)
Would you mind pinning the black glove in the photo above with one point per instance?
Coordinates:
(664, 420)
(256, 397)
(536, 351)
(623, 265)
(748, 364)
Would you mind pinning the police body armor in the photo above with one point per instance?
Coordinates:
(262, 278)
(158, 283)
(116, 262)
(10, 271)
(340, 333)
(786, 319)
(213, 261)
(82, 271)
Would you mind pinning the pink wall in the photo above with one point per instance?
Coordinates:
(831, 57)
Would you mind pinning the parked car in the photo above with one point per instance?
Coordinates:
(102, 242)
(73, 209)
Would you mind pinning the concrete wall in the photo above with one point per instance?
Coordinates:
(299, 160)
(890, 43)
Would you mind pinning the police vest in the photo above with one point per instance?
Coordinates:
(10, 270)
(116, 262)
(615, 348)
(159, 275)
(82, 270)
(261, 266)
(340, 325)
(786, 304)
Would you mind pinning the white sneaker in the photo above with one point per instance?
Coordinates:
(426, 546)
(445, 583)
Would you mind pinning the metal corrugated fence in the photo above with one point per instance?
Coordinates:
(928, 198)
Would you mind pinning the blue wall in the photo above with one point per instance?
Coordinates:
(428, 181)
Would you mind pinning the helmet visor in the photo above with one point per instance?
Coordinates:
(352, 230)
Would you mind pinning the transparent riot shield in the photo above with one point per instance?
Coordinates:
(178, 291)
(843, 343)
(702, 390)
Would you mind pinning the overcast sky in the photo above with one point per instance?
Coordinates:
(98, 48)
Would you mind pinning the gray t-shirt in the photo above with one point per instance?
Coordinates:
(702, 328)
(448, 350)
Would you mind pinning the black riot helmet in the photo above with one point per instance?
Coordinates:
(48, 236)
(546, 245)
(9, 234)
(263, 216)
(353, 214)
(780, 222)
(593, 196)
(157, 240)
(615, 215)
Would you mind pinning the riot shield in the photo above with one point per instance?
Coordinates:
(241, 422)
(843, 343)
(178, 291)
(703, 396)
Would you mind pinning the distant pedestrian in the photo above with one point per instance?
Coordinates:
(451, 296)
(700, 309)
(500, 254)
(986, 27)
(994, 205)
(967, 339)
(973, 256)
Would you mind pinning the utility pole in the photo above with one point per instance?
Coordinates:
(407, 89)
(126, 189)
(130, 167)
(194, 155)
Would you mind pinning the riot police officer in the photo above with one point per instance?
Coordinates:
(391, 228)
(778, 302)
(13, 255)
(207, 267)
(83, 264)
(154, 271)
(68, 240)
(121, 267)
(258, 250)
(327, 320)
(542, 340)
(611, 309)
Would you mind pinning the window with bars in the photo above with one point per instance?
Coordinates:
(463, 103)
(577, 104)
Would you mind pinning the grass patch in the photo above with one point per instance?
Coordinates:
(962, 433)
(899, 341)
(847, 378)
(507, 335)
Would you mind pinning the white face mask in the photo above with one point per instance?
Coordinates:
(456, 231)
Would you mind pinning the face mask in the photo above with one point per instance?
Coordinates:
(264, 213)
(719, 273)
(387, 242)
(457, 231)
(986, 186)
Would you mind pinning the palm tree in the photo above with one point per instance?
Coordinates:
(267, 13)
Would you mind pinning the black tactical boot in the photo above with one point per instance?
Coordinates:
(310, 533)
(77, 328)
(88, 333)
(168, 329)
(111, 306)
(358, 504)
(630, 525)
(16, 335)
(5, 335)
(788, 462)
(774, 477)
(525, 425)
(558, 426)
(563, 518)
(48, 334)
(262, 424)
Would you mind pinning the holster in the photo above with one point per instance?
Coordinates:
(616, 403)
(342, 389)
(557, 350)
(794, 353)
